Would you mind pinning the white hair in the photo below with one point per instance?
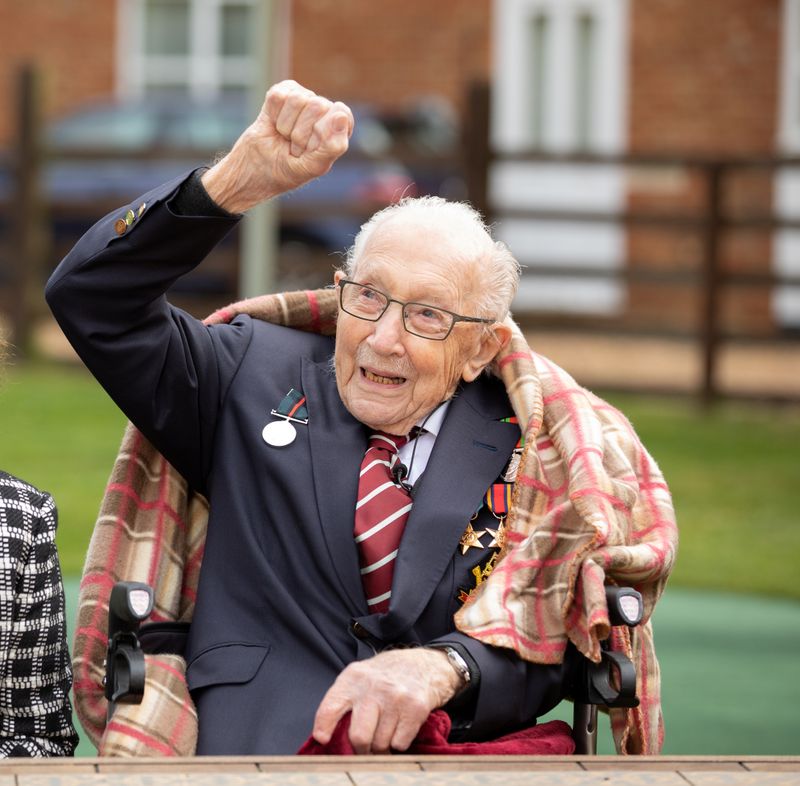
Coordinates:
(498, 268)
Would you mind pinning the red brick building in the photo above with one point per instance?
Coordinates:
(710, 78)
(382, 53)
(706, 80)
(703, 77)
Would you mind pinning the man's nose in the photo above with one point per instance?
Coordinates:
(388, 331)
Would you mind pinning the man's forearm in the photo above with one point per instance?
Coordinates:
(231, 185)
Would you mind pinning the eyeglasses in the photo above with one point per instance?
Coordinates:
(419, 319)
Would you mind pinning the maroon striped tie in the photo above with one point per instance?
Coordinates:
(381, 513)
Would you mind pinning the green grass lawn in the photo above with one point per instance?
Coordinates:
(727, 661)
(60, 431)
(734, 472)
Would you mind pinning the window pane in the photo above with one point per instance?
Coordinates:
(234, 93)
(584, 71)
(235, 29)
(166, 27)
(539, 29)
(163, 75)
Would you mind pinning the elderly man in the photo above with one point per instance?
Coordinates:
(333, 565)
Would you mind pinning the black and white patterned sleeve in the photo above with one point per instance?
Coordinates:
(35, 669)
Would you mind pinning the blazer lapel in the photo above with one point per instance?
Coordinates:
(337, 442)
(470, 452)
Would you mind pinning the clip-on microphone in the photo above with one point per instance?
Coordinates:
(399, 475)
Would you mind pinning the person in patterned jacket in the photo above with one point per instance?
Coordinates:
(35, 669)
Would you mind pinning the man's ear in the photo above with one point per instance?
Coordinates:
(492, 341)
(337, 277)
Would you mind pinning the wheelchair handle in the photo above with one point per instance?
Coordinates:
(130, 603)
(625, 606)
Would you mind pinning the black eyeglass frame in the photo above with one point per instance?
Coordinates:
(389, 300)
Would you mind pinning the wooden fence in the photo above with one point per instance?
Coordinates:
(714, 221)
(28, 253)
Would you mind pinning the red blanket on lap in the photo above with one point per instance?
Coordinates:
(548, 739)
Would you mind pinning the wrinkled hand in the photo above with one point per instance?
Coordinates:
(390, 697)
(295, 138)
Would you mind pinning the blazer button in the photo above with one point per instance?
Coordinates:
(359, 631)
(120, 226)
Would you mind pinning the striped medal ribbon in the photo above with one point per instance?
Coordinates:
(292, 409)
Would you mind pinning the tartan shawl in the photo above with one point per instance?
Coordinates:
(590, 506)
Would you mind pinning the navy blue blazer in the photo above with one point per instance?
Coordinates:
(280, 610)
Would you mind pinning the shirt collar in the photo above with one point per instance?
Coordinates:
(433, 422)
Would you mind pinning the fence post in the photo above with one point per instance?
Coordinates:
(475, 135)
(29, 228)
(711, 282)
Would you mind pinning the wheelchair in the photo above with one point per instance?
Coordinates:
(609, 683)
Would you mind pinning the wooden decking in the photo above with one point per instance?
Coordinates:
(407, 771)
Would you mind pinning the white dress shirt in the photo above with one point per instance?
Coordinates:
(415, 454)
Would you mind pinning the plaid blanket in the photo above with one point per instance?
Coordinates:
(590, 506)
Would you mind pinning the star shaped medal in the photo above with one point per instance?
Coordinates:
(498, 535)
(471, 539)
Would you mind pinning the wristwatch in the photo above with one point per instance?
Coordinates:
(457, 662)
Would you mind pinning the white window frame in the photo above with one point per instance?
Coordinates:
(561, 186)
(789, 120)
(786, 245)
(514, 87)
(206, 71)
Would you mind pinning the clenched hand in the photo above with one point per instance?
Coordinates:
(295, 138)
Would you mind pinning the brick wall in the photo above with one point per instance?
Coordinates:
(704, 75)
(704, 81)
(72, 41)
(389, 53)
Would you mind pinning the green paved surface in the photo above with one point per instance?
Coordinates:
(730, 674)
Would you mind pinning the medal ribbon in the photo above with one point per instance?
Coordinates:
(521, 441)
(498, 498)
(293, 406)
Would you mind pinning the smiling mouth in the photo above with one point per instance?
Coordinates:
(381, 380)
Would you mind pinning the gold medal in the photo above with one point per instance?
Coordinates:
(471, 539)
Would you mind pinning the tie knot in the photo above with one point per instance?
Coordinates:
(385, 441)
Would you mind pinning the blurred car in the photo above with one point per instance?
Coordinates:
(427, 137)
(104, 155)
(175, 135)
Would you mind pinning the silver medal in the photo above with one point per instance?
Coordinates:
(279, 433)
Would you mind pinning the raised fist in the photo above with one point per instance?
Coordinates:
(296, 137)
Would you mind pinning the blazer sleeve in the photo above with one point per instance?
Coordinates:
(166, 370)
(509, 692)
(36, 676)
